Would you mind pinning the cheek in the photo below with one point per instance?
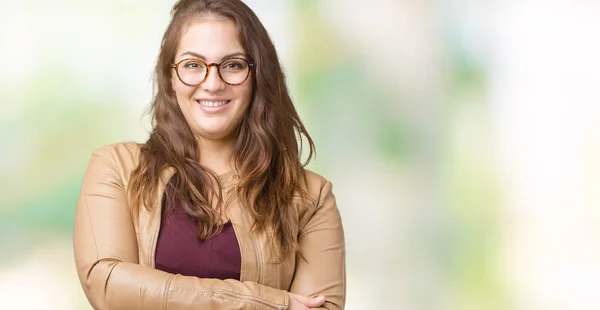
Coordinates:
(180, 96)
(182, 92)
(246, 96)
(246, 93)
(176, 86)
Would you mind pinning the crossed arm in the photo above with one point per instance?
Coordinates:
(106, 256)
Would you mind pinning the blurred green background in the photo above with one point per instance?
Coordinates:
(462, 139)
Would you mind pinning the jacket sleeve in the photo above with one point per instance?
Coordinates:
(321, 241)
(106, 257)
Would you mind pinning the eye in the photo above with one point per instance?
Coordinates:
(193, 65)
(234, 64)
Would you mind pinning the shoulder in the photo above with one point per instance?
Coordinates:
(316, 188)
(125, 153)
(315, 183)
(319, 199)
(120, 150)
(120, 157)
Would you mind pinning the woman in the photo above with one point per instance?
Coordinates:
(215, 210)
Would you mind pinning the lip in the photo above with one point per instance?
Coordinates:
(212, 110)
(212, 99)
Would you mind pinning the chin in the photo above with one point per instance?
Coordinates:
(214, 133)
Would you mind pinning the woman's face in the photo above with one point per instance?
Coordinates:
(212, 109)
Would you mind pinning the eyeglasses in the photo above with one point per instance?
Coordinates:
(194, 71)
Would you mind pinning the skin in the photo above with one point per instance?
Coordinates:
(298, 302)
(214, 38)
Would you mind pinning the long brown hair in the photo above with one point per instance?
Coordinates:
(269, 139)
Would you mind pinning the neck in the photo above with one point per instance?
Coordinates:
(216, 155)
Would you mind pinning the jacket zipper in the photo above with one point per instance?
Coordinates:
(152, 261)
(256, 248)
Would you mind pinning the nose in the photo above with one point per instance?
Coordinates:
(213, 80)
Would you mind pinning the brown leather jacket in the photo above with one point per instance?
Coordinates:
(114, 245)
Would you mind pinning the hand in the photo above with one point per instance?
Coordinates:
(298, 302)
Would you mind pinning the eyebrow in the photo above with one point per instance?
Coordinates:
(196, 55)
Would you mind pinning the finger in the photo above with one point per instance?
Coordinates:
(310, 302)
(296, 304)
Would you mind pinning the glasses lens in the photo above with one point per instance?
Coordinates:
(234, 71)
(191, 71)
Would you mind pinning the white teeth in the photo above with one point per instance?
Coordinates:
(212, 103)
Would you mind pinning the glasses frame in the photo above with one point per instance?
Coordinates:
(208, 65)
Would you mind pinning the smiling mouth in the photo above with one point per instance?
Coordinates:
(213, 104)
